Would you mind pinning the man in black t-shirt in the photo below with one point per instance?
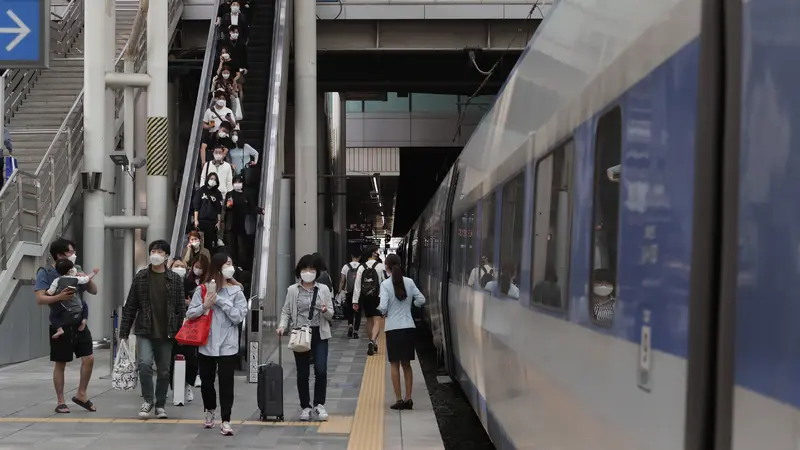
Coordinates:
(211, 140)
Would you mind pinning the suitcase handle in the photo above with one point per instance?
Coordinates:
(280, 350)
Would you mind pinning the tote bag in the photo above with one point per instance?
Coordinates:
(194, 332)
(125, 375)
(300, 339)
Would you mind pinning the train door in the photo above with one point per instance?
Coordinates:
(447, 239)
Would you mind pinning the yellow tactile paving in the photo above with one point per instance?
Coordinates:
(367, 431)
(161, 421)
(336, 425)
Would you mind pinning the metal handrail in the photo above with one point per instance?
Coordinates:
(193, 152)
(264, 281)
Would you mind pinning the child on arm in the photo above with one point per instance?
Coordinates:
(69, 279)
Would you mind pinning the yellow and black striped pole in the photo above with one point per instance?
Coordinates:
(158, 151)
(157, 146)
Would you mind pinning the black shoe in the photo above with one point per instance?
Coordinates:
(350, 332)
(408, 404)
(371, 348)
(355, 335)
(400, 404)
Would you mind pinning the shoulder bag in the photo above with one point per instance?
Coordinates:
(300, 339)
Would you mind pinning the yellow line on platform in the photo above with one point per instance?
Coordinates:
(367, 431)
(161, 421)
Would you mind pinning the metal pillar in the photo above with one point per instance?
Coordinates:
(340, 184)
(140, 183)
(129, 113)
(285, 261)
(305, 73)
(94, 69)
(157, 123)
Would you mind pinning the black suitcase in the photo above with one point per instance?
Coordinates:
(270, 389)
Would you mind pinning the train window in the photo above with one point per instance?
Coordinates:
(605, 229)
(551, 237)
(456, 252)
(485, 270)
(511, 220)
(466, 230)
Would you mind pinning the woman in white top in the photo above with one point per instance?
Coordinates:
(218, 113)
(504, 285)
(223, 170)
(395, 294)
(366, 294)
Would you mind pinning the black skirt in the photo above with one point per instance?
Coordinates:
(400, 345)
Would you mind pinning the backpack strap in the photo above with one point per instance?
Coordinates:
(313, 303)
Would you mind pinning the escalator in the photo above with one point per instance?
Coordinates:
(263, 109)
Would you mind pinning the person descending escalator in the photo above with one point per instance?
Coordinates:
(207, 210)
(240, 208)
(194, 251)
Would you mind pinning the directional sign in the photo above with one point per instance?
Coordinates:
(24, 33)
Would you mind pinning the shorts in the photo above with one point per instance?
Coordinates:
(400, 345)
(370, 306)
(72, 342)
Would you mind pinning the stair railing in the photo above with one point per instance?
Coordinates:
(28, 201)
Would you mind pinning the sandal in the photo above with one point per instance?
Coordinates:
(87, 405)
(62, 409)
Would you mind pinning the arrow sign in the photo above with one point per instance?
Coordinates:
(24, 29)
(21, 30)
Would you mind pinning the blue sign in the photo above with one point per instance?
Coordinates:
(24, 33)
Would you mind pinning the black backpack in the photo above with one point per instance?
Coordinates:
(351, 277)
(369, 281)
(487, 276)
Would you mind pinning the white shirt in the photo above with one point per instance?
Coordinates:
(224, 172)
(211, 118)
(54, 284)
(234, 20)
(513, 291)
(477, 273)
(378, 268)
(345, 269)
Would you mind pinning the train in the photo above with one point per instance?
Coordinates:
(613, 260)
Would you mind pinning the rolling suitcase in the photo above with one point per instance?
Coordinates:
(270, 388)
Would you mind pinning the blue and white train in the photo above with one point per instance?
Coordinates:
(635, 190)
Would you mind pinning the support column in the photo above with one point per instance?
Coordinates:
(95, 129)
(157, 122)
(305, 93)
(340, 170)
(129, 116)
(140, 183)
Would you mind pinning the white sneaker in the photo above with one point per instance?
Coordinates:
(305, 416)
(319, 410)
(189, 394)
(209, 419)
(226, 429)
(145, 411)
(161, 413)
(197, 382)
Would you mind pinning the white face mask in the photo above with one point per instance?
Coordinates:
(73, 257)
(212, 183)
(180, 271)
(195, 244)
(237, 186)
(156, 259)
(72, 272)
(225, 57)
(235, 138)
(225, 76)
(218, 157)
(228, 271)
(234, 9)
(308, 277)
(221, 103)
(222, 135)
(234, 36)
(197, 272)
(603, 291)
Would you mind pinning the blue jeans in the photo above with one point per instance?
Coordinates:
(160, 352)
(319, 349)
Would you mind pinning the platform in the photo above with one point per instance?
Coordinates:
(359, 395)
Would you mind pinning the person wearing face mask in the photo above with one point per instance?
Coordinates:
(238, 206)
(226, 82)
(71, 310)
(223, 170)
(243, 157)
(481, 275)
(310, 303)
(189, 353)
(77, 339)
(218, 113)
(211, 141)
(236, 49)
(193, 249)
(156, 304)
(238, 19)
(191, 283)
(223, 9)
(602, 296)
(207, 210)
(219, 357)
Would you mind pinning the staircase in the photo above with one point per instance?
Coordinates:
(38, 117)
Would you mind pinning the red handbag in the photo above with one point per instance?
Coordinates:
(194, 332)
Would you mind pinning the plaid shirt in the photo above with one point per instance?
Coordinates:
(139, 308)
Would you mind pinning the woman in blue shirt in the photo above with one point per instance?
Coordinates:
(395, 292)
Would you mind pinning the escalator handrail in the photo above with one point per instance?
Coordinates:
(195, 139)
(264, 281)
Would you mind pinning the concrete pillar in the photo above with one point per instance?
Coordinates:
(157, 121)
(305, 93)
(95, 147)
(129, 199)
(140, 184)
(339, 152)
(175, 161)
